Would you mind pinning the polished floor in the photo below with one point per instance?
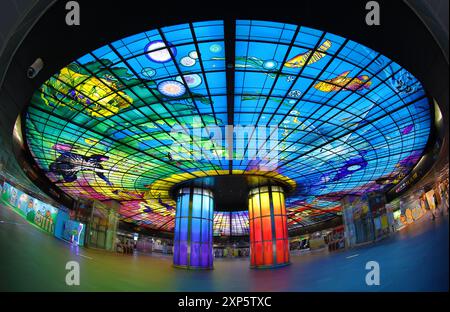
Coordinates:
(415, 259)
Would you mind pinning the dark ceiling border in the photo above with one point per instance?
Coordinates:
(402, 36)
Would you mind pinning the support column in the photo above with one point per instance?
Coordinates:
(193, 243)
(269, 244)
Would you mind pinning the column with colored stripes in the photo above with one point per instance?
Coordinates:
(193, 243)
(269, 244)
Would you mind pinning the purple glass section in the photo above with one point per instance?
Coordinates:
(183, 254)
(206, 250)
(184, 225)
(195, 254)
(176, 254)
(206, 224)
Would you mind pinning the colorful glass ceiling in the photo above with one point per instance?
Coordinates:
(231, 223)
(345, 118)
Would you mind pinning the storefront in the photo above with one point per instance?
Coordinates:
(335, 238)
(300, 243)
(238, 249)
(102, 226)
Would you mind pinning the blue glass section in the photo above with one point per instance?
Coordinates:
(196, 228)
(197, 206)
(185, 206)
(206, 230)
(206, 211)
(184, 223)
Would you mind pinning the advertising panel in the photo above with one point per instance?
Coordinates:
(74, 232)
(35, 211)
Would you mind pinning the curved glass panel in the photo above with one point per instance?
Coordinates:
(331, 114)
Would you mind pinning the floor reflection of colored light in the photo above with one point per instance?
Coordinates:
(269, 243)
(194, 229)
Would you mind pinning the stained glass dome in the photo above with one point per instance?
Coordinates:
(344, 118)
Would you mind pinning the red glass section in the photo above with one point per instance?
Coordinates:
(268, 253)
(259, 254)
(281, 255)
(267, 228)
(279, 228)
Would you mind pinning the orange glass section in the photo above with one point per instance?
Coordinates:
(256, 209)
(257, 232)
(265, 204)
(276, 203)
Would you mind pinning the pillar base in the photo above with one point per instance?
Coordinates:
(186, 267)
(268, 267)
